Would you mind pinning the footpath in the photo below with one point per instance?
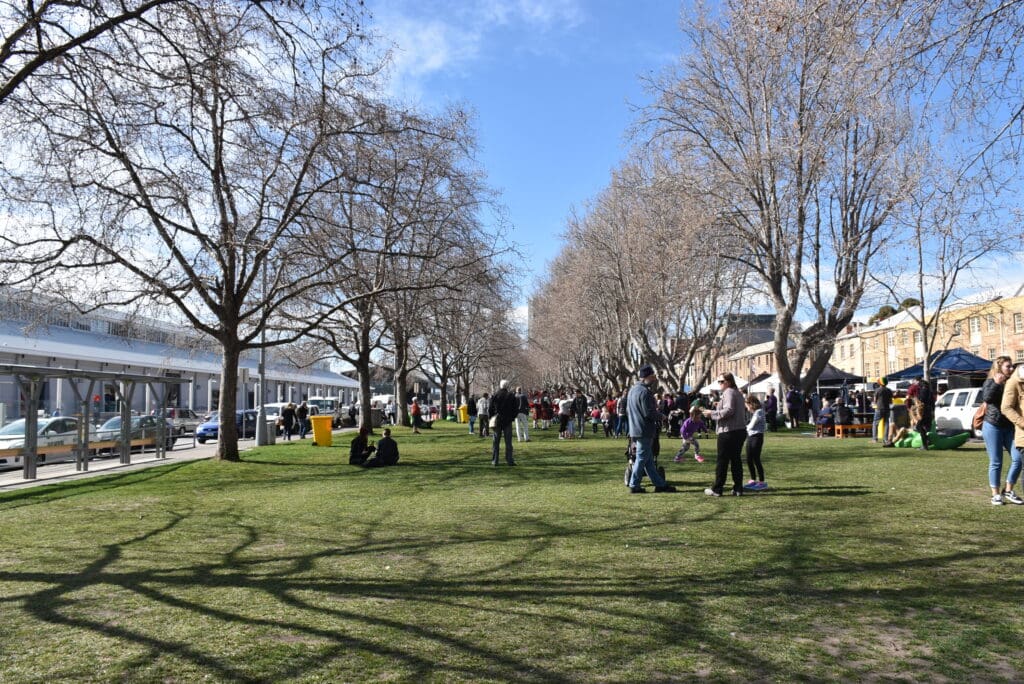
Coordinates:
(184, 450)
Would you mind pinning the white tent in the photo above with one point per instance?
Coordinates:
(763, 386)
(740, 383)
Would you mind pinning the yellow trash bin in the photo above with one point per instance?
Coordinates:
(321, 430)
(463, 414)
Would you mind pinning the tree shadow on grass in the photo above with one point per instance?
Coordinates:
(314, 601)
(64, 490)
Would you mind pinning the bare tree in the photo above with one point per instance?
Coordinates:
(38, 34)
(952, 231)
(795, 115)
(404, 226)
(634, 283)
(178, 161)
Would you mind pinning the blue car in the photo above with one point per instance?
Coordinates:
(245, 422)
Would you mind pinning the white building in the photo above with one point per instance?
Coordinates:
(104, 341)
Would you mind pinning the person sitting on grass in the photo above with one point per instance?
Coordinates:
(360, 449)
(387, 452)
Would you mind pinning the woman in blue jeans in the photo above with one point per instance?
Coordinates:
(997, 431)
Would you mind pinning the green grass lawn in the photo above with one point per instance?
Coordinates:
(859, 564)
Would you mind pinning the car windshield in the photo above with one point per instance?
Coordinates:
(112, 424)
(15, 428)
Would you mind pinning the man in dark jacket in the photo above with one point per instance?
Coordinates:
(580, 409)
(926, 412)
(387, 452)
(504, 407)
(644, 421)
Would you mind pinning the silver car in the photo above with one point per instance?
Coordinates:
(60, 432)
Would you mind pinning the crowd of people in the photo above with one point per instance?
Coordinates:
(739, 421)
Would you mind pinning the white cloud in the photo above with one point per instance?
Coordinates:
(431, 37)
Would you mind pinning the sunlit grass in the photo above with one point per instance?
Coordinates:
(293, 566)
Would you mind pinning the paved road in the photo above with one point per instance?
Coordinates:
(184, 450)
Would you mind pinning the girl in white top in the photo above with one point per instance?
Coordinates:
(755, 442)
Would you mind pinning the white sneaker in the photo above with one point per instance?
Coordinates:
(997, 500)
(1012, 497)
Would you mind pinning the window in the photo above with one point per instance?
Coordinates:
(991, 352)
(842, 352)
(890, 338)
(851, 350)
(918, 337)
(990, 322)
(903, 337)
(975, 324)
(957, 328)
(1018, 323)
(1018, 356)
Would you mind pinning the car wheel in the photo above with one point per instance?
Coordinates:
(201, 440)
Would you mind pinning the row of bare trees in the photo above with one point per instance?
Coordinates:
(635, 282)
(811, 154)
(230, 163)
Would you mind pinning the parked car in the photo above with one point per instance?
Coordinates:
(59, 431)
(139, 427)
(185, 420)
(245, 422)
(273, 412)
(955, 409)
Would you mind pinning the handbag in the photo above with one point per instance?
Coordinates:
(979, 416)
(493, 422)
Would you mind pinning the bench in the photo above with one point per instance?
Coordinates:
(854, 428)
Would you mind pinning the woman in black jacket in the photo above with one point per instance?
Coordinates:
(997, 431)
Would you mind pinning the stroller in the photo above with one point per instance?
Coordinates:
(631, 457)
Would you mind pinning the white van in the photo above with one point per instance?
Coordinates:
(955, 409)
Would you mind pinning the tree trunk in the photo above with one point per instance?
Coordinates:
(227, 447)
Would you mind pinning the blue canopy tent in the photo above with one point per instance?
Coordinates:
(958, 366)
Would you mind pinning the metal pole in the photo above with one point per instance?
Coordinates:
(261, 411)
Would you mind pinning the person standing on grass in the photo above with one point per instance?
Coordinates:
(288, 418)
(622, 416)
(731, 425)
(564, 416)
(997, 431)
(580, 411)
(644, 422)
(416, 413)
(771, 410)
(302, 416)
(504, 407)
(755, 443)
(925, 403)
(794, 400)
(471, 407)
(523, 416)
(883, 409)
(688, 433)
(483, 408)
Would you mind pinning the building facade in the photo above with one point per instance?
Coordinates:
(988, 327)
(45, 335)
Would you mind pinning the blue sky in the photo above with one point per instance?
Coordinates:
(551, 84)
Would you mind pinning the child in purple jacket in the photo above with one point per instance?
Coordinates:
(688, 432)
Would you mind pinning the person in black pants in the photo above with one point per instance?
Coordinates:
(731, 425)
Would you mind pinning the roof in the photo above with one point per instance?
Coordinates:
(950, 361)
(66, 343)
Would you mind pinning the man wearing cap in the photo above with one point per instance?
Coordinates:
(883, 407)
(644, 421)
